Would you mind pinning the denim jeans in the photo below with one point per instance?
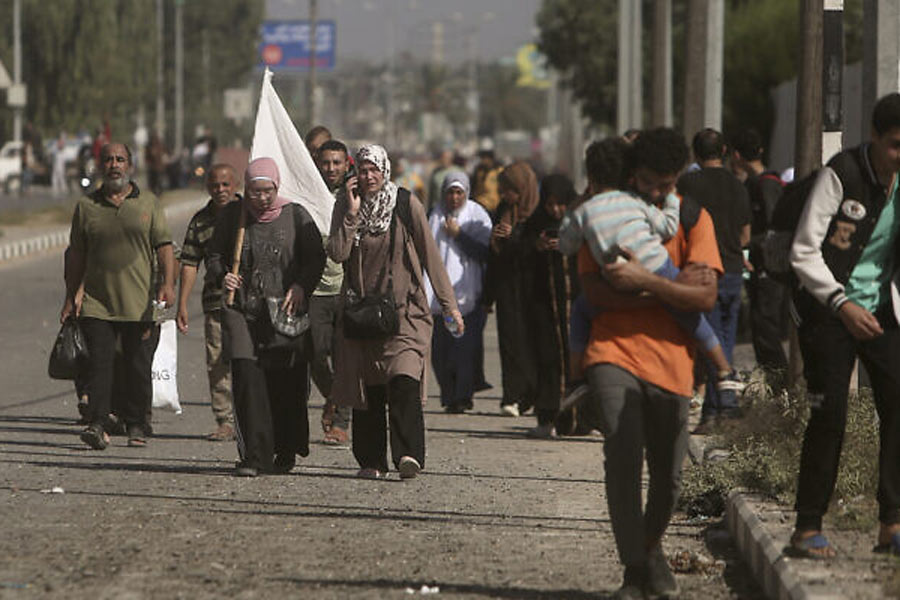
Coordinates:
(724, 320)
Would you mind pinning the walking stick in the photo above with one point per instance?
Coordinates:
(238, 246)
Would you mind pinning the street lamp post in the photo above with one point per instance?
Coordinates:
(17, 65)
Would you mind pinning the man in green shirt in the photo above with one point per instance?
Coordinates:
(221, 183)
(332, 161)
(117, 232)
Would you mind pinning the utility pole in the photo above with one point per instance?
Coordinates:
(311, 92)
(819, 120)
(629, 114)
(661, 105)
(694, 66)
(832, 78)
(179, 75)
(473, 103)
(160, 92)
(391, 129)
(17, 66)
(715, 50)
(808, 141)
(881, 55)
(437, 43)
(704, 65)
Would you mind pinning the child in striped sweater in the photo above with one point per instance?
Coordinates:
(614, 220)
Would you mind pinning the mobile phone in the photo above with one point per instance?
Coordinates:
(351, 172)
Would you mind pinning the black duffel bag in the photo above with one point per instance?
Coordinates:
(70, 354)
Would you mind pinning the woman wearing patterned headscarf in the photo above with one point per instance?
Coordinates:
(281, 258)
(462, 230)
(380, 234)
(509, 280)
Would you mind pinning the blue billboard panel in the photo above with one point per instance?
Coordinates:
(285, 45)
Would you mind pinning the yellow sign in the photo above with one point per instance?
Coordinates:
(532, 68)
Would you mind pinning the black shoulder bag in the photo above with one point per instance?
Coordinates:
(374, 316)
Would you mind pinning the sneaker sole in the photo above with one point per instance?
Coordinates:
(409, 470)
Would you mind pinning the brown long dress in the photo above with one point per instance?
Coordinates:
(361, 363)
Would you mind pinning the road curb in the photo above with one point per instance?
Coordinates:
(20, 248)
(774, 574)
(765, 559)
(60, 237)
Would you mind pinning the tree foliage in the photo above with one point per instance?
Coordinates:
(579, 38)
(87, 61)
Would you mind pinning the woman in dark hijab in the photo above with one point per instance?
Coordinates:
(554, 283)
(508, 285)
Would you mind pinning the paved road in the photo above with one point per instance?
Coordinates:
(495, 515)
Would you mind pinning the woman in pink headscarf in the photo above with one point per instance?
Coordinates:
(282, 258)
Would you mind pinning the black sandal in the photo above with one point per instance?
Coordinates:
(95, 437)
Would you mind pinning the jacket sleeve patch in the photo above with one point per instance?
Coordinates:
(840, 239)
(853, 209)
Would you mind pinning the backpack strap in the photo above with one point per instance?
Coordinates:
(689, 213)
(402, 209)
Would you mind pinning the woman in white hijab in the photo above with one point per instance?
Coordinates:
(380, 234)
(462, 230)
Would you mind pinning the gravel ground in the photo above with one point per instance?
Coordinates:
(494, 515)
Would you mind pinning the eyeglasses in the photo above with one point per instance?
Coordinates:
(259, 192)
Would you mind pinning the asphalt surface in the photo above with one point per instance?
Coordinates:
(494, 515)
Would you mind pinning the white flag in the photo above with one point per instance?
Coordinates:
(276, 137)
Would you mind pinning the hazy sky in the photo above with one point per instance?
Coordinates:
(362, 26)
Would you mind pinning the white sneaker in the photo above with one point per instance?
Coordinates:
(409, 467)
(509, 410)
(730, 383)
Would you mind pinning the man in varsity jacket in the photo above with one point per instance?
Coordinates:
(845, 254)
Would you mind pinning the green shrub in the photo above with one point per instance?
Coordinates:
(763, 455)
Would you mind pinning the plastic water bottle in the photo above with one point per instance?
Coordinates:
(450, 324)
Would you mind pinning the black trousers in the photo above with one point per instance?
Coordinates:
(322, 321)
(518, 368)
(138, 340)
(828, 355)
(768, 320)
(270, 412)
(400, 399)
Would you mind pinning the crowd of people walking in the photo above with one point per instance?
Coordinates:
(607, 301)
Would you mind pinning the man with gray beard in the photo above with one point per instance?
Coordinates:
(119, 247)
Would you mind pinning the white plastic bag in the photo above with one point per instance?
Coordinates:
(165, 369)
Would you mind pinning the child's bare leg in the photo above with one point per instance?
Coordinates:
(717, 357)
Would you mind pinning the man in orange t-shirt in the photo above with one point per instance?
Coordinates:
(639, 366)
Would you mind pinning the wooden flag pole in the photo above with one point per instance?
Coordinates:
(238, 247)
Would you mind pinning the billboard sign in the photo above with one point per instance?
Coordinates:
(285, 46)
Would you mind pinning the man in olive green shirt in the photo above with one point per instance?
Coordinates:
(116, 233)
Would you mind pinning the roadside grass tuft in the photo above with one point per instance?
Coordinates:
(762, 454)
